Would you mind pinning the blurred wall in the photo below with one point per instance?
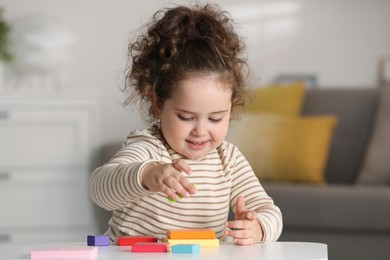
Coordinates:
(340, 42)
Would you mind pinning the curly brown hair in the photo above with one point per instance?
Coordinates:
(180, 43)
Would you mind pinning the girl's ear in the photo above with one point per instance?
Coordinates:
(155, 105)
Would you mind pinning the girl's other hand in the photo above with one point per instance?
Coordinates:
(168, 178)
(245, 229)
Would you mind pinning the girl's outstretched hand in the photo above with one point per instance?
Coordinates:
(245, 229)
(168, 178)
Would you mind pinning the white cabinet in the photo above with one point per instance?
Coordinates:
(47, 147)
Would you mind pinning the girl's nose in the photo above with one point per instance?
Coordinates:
(199, 128)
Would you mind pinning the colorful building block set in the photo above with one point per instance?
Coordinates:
(187, 241)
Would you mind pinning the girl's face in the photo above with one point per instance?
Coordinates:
(195, 120)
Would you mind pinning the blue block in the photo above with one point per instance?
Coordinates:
(186, 248)
(99, 240)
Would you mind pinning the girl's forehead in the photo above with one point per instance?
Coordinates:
(201, 94)
(203, 82)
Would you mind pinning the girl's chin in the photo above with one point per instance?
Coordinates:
(194, 155)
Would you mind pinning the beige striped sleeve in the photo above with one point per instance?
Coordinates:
(245, 183)
(117, 183)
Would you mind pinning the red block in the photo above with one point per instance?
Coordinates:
(129, 241)
(149, 247)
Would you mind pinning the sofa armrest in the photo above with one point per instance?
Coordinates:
(333, 206)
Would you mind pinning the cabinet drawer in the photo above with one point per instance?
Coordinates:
(42, 202)
(39, 137)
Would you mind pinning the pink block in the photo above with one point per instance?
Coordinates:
(67, 252)
(150, 247)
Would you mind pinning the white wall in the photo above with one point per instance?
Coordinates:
(340, 42)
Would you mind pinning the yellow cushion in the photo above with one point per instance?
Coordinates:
(285, 148)
(284, 99)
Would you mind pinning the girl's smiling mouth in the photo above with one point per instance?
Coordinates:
(197, 145)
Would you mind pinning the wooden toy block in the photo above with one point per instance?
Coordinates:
(186, 248)
(66, 252)
(202, 242)
(149, 247)
(129, 241)
(191, 234)
(98, 240)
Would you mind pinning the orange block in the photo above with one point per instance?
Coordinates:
(191, 234)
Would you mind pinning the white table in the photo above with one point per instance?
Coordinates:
(226, 251)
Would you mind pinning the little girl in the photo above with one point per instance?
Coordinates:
(187, 75)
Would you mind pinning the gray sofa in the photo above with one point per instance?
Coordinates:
(353, 220)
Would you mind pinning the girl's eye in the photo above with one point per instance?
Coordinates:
(184, 118)
(215, 120)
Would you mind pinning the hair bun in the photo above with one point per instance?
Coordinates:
(192, 32)
(203, 27)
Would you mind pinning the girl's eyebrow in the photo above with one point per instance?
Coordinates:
(189, 112)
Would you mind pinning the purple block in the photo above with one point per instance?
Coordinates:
(99, 240)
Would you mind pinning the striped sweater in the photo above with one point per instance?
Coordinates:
(220, 177)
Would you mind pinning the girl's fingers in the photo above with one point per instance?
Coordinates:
(180, 184)
(244, 241)
(170, 193)
(187, 185)
(242, 233)
(240, 237)
(169, 179)
(182, 166)
(183, 186)
(250, 215)
(238, 224)
(241, 211)
(240, 207)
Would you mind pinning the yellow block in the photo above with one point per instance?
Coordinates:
(202, 242)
